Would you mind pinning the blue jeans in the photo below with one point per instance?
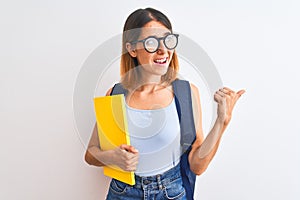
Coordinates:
(163, 186)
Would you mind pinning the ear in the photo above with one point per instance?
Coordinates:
(131, 50)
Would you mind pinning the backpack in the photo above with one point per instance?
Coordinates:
(183, 101)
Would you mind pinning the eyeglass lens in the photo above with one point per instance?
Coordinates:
(151, 44)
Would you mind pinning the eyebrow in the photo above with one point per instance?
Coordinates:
(166, 33)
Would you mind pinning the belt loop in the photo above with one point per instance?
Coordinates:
(159, 182)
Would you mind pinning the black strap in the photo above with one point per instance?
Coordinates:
(183, 100)
(118, 89)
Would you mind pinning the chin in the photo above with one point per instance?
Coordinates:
(162, 71)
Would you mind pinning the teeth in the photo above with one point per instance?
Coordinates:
(161, 60)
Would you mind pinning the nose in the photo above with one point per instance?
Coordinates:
(162, 48)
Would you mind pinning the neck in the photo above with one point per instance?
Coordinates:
(150, 82)
(150, 87)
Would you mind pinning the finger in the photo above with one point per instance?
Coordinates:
(134, 166)
(134, 150)
(221, 95)
(131, 164)
(225, 92)
(129, 148)
(135, 160)
(219, 98)
(124, 146)
(220, 92)
(228, 89)
(131, 156)
(241, 92)
(228, 92)
(130, 167)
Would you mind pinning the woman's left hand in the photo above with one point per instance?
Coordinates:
(226, 99)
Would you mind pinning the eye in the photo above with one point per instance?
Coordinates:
(171, 41)
(151, 42)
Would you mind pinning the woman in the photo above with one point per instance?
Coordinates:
(149, 68)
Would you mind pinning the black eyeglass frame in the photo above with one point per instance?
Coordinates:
(158, 40)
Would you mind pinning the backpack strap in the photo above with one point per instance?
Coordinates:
(183, 100)
(118, 89)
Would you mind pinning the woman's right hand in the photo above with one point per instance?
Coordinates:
(125, 157)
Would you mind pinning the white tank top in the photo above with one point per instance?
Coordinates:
(156, 135)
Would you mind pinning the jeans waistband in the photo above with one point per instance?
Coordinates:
(158, 181)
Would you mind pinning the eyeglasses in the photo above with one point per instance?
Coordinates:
(152, 43)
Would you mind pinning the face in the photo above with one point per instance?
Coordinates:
(156, 63)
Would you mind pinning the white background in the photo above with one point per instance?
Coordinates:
(43, 44)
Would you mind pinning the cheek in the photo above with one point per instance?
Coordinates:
(144, 57)
(171, 54)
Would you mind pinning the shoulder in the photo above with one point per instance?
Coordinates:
(194, 88)
(109, 91)
(180, 85)
(195, 94)
(185, 82)
(117, 88)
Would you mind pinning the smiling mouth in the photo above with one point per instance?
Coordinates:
(161, 61)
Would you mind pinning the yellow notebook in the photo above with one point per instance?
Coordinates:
(112, 131)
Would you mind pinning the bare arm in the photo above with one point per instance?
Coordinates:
(124, 156)
(203, 150)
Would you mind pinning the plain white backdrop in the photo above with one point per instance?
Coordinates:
(43, 45)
